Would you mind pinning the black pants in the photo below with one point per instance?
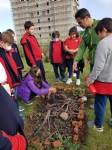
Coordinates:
(39, 64)
(20, 73)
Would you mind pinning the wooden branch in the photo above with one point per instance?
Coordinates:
(50, 135)
(45, 119)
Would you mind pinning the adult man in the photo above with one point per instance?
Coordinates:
(89, 38)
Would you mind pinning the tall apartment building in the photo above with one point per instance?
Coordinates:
(47, 16)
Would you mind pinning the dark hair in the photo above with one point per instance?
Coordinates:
(10, 31)
(55, 33)
(37, 80)
(74, 30)
(0, 36)
(104, 23)
(6, 37)
(28, 24)
(82, 13)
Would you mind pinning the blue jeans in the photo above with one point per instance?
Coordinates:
(56, 66)
(99, 108)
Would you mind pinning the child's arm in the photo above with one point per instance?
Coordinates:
(36, 90)
(7, 142)
(3, 76)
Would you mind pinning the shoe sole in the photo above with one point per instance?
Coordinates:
(27, 103)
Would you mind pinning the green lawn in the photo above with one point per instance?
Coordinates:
(95, 140)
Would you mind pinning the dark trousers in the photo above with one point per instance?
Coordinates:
(39, 64)
(55, 67)
(20, 73)
(99, 108)
(70, 66)
(77, 72)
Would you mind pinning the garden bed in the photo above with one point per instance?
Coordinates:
(59, 120)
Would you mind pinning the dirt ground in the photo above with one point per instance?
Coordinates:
(58, 103)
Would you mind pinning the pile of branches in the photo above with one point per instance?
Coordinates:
(50, 111)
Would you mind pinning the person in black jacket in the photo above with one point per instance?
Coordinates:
(11, 124)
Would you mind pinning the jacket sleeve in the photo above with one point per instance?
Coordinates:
(36, 90)
(3, 76)
(8, 142)
(81, 51)
(27, 52)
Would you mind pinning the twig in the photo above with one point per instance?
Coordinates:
(46, 117)
(50, 135)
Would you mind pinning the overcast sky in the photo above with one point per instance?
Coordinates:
(97, 8)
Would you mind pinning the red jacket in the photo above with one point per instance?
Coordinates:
(14, 68)
(31, 49)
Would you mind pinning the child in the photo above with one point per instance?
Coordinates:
(101, 74)
(32, 85)
(55, 54)
(16, 55)
(71, 47)
(32, 50)
(13, 79)
(11, 124)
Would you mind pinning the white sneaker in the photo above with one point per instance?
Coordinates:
(78, 82)
(74, 74)
(69, 81)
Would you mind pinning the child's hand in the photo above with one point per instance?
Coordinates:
(52, 90)
(43, 55)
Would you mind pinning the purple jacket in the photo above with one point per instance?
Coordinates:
(27, 86)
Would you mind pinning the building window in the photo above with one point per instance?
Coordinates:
(39, 28)
(43, 12)
(49, 27)
(37, 4)
(49, 34)
(32, 15)
(47, 3)
(40, 35)
(37, 12)
(38, 20)
(48, 19)
(48, 11)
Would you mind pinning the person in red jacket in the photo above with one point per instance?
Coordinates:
(16, 55)
(71, 46)
(8, 63)
(32, 50)
(11, 124)
(56, 53)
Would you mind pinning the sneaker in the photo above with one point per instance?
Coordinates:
(21, 108)
(69, 81)
(74, 74)
(57, 79)
(110, 122)
(92, 125)
(28, 103)
(23, 116)
(78, 82)
(64, 79)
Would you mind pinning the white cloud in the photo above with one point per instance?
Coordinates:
(5, 5)
(106, 2)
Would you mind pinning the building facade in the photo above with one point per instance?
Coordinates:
(47, 16)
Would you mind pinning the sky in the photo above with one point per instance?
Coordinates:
(97, 8)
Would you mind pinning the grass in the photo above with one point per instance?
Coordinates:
(95, 140)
